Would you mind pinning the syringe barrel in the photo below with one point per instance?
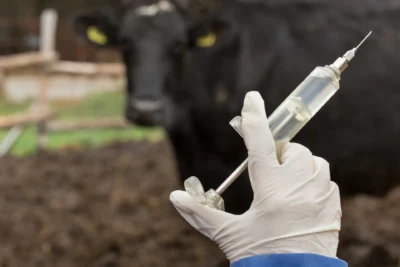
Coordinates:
(318, 88)
(301, 105)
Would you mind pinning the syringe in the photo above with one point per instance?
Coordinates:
(285, 122)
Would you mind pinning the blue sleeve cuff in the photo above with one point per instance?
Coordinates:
(290, 260)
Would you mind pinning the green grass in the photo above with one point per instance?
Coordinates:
(7, 108)
(25, 144)
(96, 106)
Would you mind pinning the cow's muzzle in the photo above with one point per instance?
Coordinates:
(145, 112)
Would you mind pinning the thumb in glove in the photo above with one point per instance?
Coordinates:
(204, 219)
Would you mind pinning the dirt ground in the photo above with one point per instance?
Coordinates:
(370, 233)
(110, 206)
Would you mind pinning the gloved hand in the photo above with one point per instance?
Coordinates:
(296, 208)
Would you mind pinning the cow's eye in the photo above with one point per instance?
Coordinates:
(207, 40)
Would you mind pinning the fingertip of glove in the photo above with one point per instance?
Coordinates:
(253, 95)
(178, 198)
(174, 196)
(253, 103)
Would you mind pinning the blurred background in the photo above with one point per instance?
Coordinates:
(80, 186)
(104, 95)
(20, 29)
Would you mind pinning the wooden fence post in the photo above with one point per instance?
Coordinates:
(48, 27)
(43, 107)
(2, 81)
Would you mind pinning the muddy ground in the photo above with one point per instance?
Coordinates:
(110, 207)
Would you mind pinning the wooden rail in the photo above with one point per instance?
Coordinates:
(83, 68)
(24, 60)
(87, 124)
(25, 118)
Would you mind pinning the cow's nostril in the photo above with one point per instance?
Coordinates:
(147, 106)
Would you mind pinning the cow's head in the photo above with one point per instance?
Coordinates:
(153, 40)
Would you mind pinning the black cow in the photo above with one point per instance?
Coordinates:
(191, 78)
(165, 87)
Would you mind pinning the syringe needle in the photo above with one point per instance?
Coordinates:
(366, 37)
(350, 55)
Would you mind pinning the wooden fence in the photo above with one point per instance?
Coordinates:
(46, 62)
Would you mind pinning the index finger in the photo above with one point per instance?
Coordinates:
(256, 132)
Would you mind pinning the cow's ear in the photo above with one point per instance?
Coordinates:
(98, 27)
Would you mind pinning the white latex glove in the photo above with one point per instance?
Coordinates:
(296, 207)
